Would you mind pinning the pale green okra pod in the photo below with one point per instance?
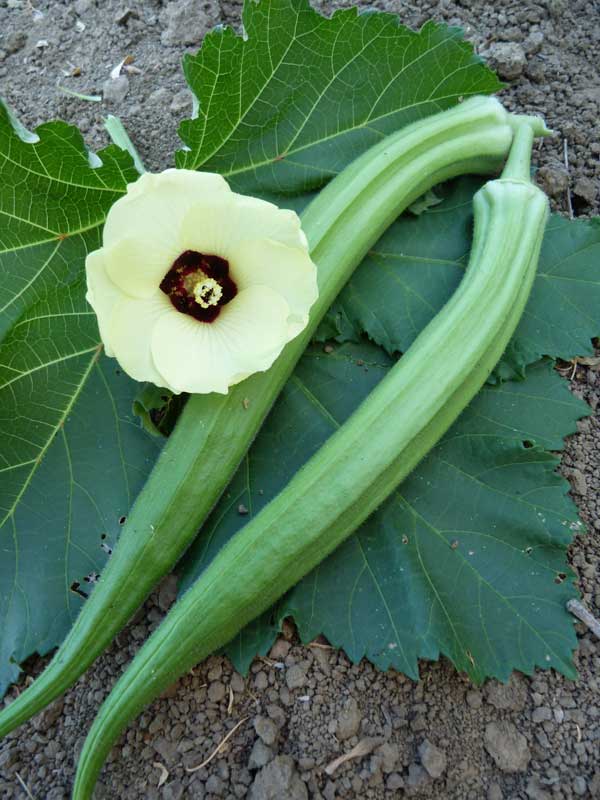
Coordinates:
(360, 465)
(215, 431)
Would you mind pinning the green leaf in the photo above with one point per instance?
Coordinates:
(72, 456)
(466, 559)
(254, 640)
(418, 263)
(286, 107)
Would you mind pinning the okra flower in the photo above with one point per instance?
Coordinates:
(197, 287)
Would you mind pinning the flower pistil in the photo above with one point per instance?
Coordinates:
(207, 291)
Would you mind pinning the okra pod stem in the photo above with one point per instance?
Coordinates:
(215, 431)
(360, 464)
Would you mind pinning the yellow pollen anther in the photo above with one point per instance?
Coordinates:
(207, 292)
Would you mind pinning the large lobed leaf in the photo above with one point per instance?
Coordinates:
(286, 107)
(466, 559)
(71, 456)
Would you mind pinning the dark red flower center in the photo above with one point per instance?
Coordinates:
(199, 285)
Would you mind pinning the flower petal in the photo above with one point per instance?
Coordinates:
(287, 270)
(102, 294)
(206, 226)
(130, 333)
(246, 337)
(257, 219)
(138, 269)
(219, 227)
(155, 205)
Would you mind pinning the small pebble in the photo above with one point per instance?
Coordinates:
(507, 58)
(216, 692)
(295, 677)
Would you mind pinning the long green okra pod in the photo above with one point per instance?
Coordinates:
(358, 467)
(215, 431)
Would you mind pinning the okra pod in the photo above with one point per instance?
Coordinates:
(214, 431)
(360, 464)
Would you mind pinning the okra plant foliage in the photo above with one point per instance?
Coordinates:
(468, 557)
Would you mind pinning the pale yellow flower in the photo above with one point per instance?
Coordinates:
(197, 287)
